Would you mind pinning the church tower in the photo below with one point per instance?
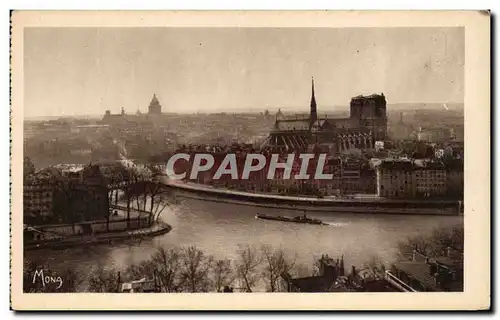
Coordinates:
(314, 112)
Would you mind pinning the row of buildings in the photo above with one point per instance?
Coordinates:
(65, 194)
(419, 178)
(389, 177)
(419, 273)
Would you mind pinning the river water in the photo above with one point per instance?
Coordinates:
(219, 228)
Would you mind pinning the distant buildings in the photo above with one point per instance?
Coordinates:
(154, 110)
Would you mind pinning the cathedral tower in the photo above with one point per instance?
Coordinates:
(314, 111)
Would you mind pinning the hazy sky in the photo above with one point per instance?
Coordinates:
(84, 71)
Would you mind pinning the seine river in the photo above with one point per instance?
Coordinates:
(219, 228)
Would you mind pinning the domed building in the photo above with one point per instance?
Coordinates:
(122, 118)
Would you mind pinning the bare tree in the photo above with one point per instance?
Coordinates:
(452, 237)
(375, 267)
(145, 187)
(160, 198)
(247, 266)
(303, 270)
(434, 244)
(275, 265)
(116, 176)
(194, 270)
(28, 168)
(421, 242)
(154, 189)
(316, 266)
(222, 274)
(104, 280)
(128, 197)
(143, 269)
(166, 263)
(457, 238)
(138, 188)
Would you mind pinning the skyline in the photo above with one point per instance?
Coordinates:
(291, 111)
(84, 71)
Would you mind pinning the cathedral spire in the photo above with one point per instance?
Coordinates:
(314, 112)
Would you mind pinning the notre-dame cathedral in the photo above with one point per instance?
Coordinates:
(366, 124)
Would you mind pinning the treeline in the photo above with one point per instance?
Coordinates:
(190, 269)
(178, 269)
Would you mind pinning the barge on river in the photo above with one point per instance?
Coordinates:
(298, 219)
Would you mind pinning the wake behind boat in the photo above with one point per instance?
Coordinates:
(297, 219)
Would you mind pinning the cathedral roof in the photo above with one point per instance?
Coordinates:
(321, 124)
(292, 125)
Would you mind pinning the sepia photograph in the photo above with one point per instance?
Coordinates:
(255, 157)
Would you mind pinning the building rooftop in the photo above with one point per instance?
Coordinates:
(378, 286)
(311, 284)
(353, 132)
(396, 164)
(154, 102)
(419, 271)
(292, 125)
(142, 285)
(371, 96)
(71, 168)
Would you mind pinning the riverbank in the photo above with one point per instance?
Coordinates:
(158, 228)
(334, 205)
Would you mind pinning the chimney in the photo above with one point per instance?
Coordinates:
(433, 270)
(342, 271)
(329, 274)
